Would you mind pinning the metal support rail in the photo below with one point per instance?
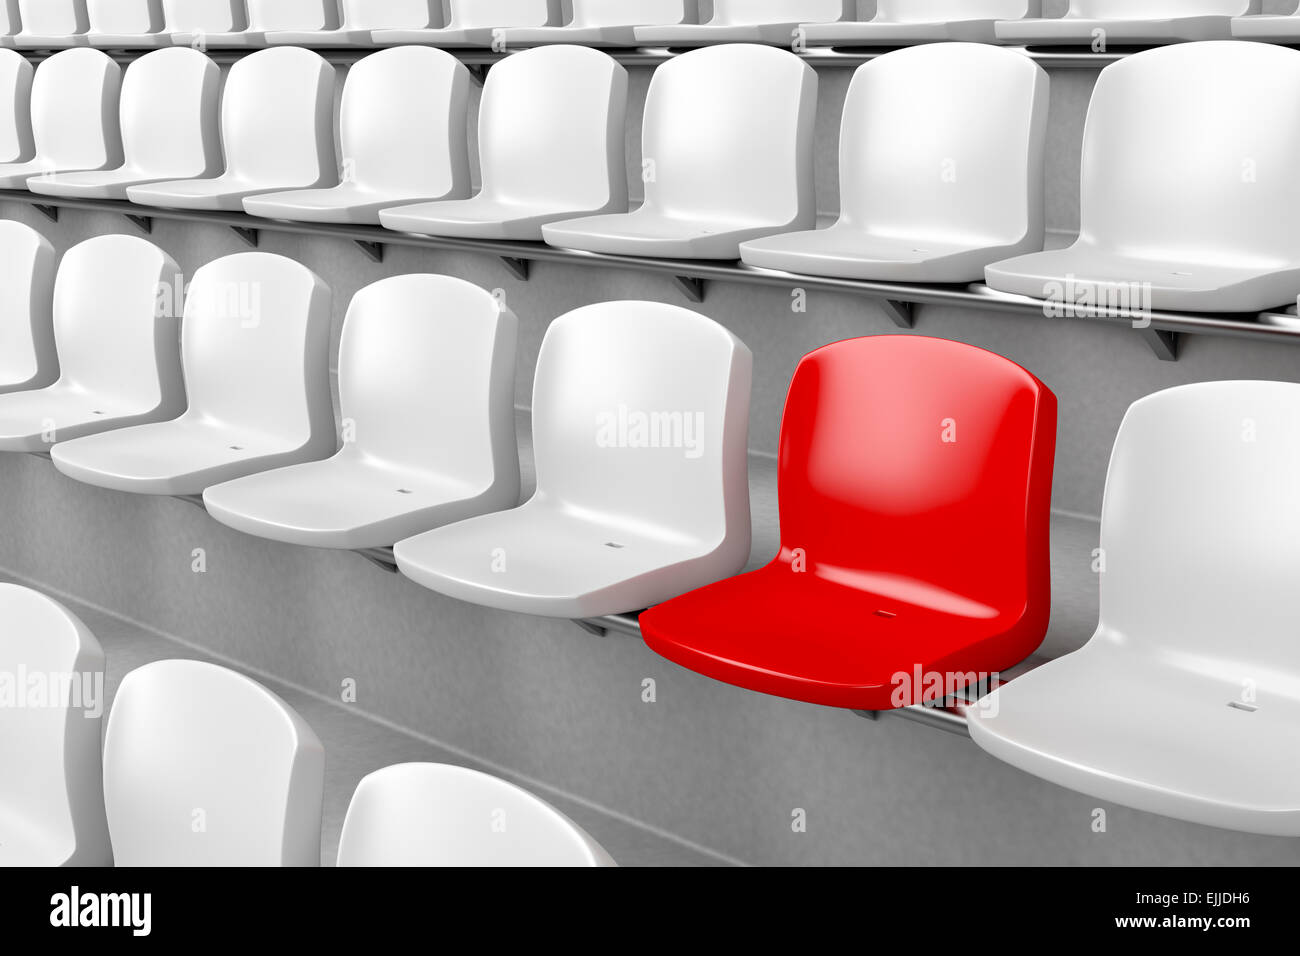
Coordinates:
(899, 301)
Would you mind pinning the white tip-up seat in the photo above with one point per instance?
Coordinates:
(426, 814)
(1129, 22)
(360, 18)
(255, 351)
(426, 384)
(728, 145)
(906, 22)
(17, 144)
(640, 423)
(272, 143)
(568, 103)
(777, 22)
(126, 24)
(27, 356)
(477, 23)
(1181, 187)
(941, 168)
(169, 123)
(74, 104)
(601, 23)
(1278, 28)
(116, 348)
(10, 22)
(51, 791)
(1186, 702)
(211, 24)
(51, 24)
(205, 767)
(197, 23)
(404, 130)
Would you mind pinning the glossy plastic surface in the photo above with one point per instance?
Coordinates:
(941, 160)
(915, 496)
(252, 21)
(16, 142)
(1192, 681)
(601, 23)
(126, 23)
(427, 385)
(169, 127)
(74, 114)
(51, 24)
(360, 18)
(424, 814)
(405, 138)
(51, 793)
(478, 23)
(1181, 187)
(568, 104)
(271, 143)
(115, 336)
(255, 350)
(204, 767)
(197, 22)
(1138, 22)
(640, 422)
(27, 355)
(749, 21)
(728, 147)
(905, 22)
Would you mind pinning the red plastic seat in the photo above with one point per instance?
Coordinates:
(915, 496)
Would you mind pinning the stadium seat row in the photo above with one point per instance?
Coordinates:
(889, 444)
(942, 149)
(504, 24)
(201, 766)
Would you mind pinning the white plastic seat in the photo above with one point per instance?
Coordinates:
(194, 23)
(27, 356)
(126, 24)
(640, 424)
(425, 814)
(568, 104)
(749, 21)
(404, 125)
(979, 111)
(205, 767)
(10, 23)
(906, 22)
(427, 384)
(1186, 702)
(255, 352)
(475, 23)
(16, 142)
(601, 23)
(1276, 28)
(74, 118)
(259, 18)
(272, 143)
(51, 790)
(116, 348)
(1132, 22)
(360, 18)
(1181, 186)
(169, 128)
(51, 24)
(729, 131)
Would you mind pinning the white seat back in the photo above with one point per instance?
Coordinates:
(50, 739)
(27, 355)
(1158, 9)
(932, 11)
(476, 14)
(255, 347)
(640, 415)
(204, 767)
(1190, 151)
(16, 74)
(404, 123)
(568, 104)
(422, 814)
(114, 340)
(53, 18)
(286, 139)
(124, 17)
(265, 16)
(602, 13)
(391, 14)
(729, 130)
(750, 12)
(75, 103)
(946, 140)
(170, 126)
(204, 16)
(1200, 530)
(10, 20)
